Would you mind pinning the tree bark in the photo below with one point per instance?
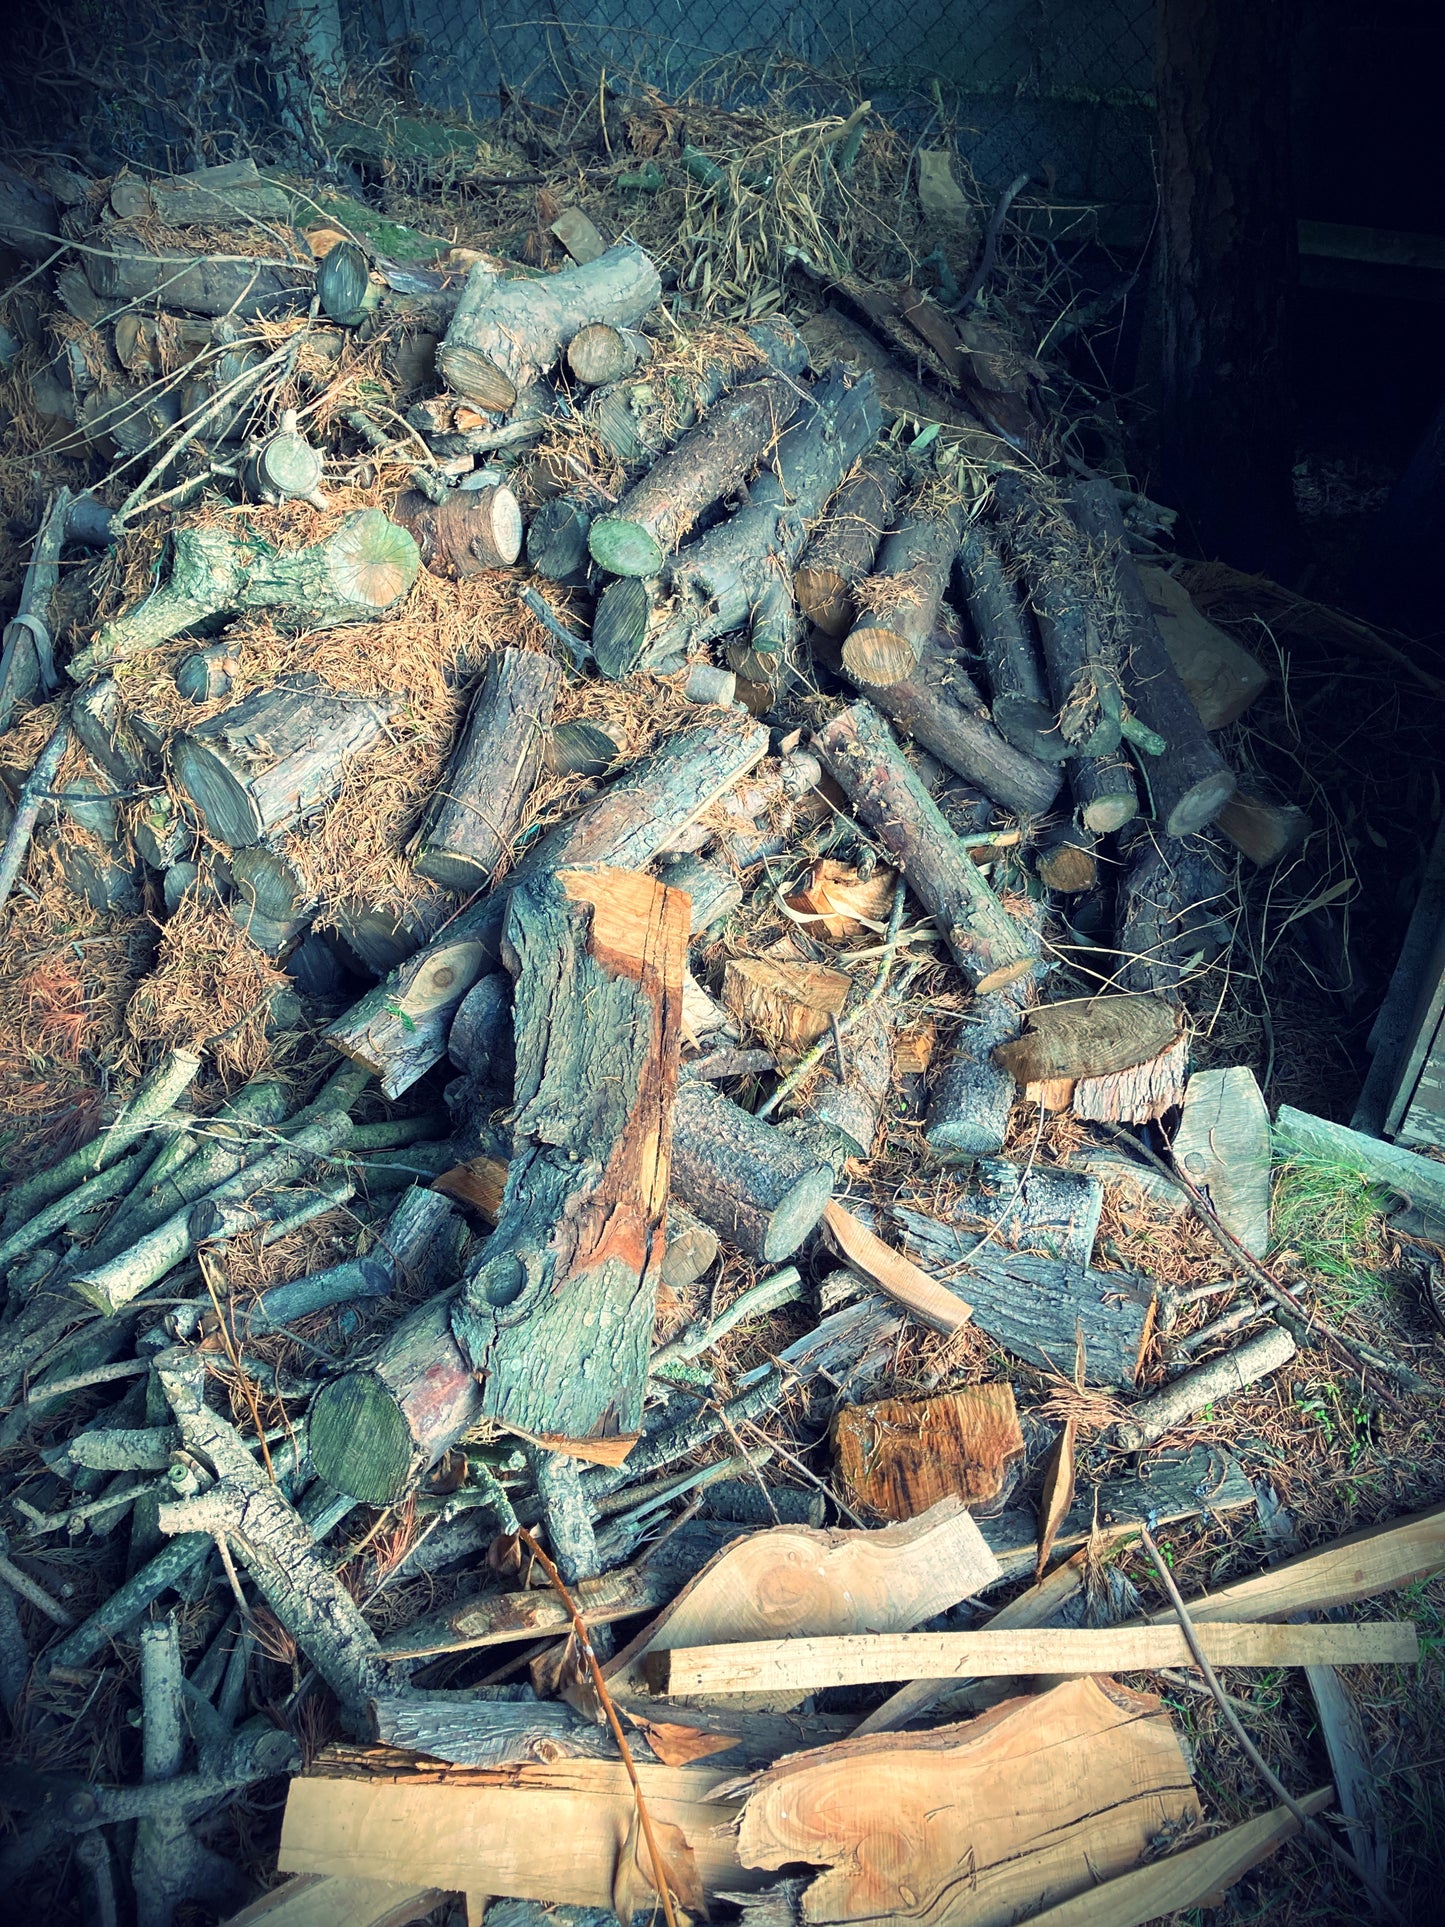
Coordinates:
(902, 597)
(197, 283)
(557, 536)
(755, 1186)
(1034, 1207)
(468, 828)
(226, 196)
(1019, 704)
(840, 551)
(507, 333)
(1169, 914)
(571, 1271)
(469, 531)
(851, 1104)
(987, 944)
(1227, 248)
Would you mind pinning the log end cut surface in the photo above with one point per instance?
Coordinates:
(359, 1440)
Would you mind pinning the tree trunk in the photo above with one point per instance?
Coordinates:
(1188, 782)
(1227, 248)
(570, 1273)
(260, 767)
(754, 1185)
(469, 826)
(708, 463)
(840, 552)
(196, 283)
(469, 531)
(901, 599)
(987, 944)
(1019, 704)
(507, 333)
(354, 575)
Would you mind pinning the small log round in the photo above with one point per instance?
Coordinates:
(468, 531)
(841, 550)
(344, 285)
(754, 1186)
(1065, 861)
(581, 749)
(557, 538)
(207, 674)
(968, 1112)
(268, 882)
(1102, 787)
(691, 1248)
(599, 353)
(901, 600)
(620, 624)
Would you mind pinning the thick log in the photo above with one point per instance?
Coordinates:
(598, 353)
(29, 217)
(241, 286)
(971, 1098)
(840, 551)
(901, 599)
(469, 826)
(1033, 1207)
(399, 1030)
(714, 891)
(708, 463)
(571, 1271)
(986, 943)
(1053, 1314)
(469, 531)
(226, 196)
(1087, 1037)
(939, 707)
(1020, 706)
(755, 1186)
(354, 575)
(557, 536)
(1188, 783)
(1171, 913)
(260, 767)
(507, 332)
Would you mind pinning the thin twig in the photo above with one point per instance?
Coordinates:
(579, 1633)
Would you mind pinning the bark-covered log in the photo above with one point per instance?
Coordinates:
(1222, 1377)
(708, 463)
(217, 284)
(1171, 914)
(27, 663)
(507, 332)
(557, 535)
(754, 1185)
(1105, 798)
(971, 1099)
(29, 217)
(986, 942)
(840, 551)
(470, 823)
(940, 708)
(363, 569)
(901, 598)
(850, 1103)
(714, 891)
(1065, 860)
(598, 353)
(399, 1030)
(470, 530)
(1188, 783)
(1019, 700)
(28, 806)
(227, 196)
(1033, 1207)
(691, 1248)
(419, 1243)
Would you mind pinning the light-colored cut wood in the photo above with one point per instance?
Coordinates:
(786, 1004)
(906, 1283)
(332, 1900)
(1087, 1036)
(1263, 831)
(1219, 675)
(808, 1665)
(1222, 1148)
(1141, 1093)
(897, 1456)
(839, 904)
(800, 1583)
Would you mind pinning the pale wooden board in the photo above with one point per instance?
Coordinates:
(1222, 1148)
(906, 1283)
(1220, 675)
(796, 1581)
(1420, 1181)
(536, 1833)
(974, 1825)
(333, 1900)
(809, 1665)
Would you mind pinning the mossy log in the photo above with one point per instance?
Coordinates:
(841, 549)
(1018, 699)
(470, 823)
(988, 945)
(469, 531)
(260, 767)
(556, 1320)
(507, 332)
(242, 286)
(757, 1187)
(357, 573)
(901, 599)
(709, 462)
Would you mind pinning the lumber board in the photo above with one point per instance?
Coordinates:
(808, 1665)
(1419, 1181)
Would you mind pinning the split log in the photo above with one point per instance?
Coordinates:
(469, 531)
(1222, 1148)
(972, 1097)
(578, 1247)
(939, 707)
(1052, 1314)
(1085, 1036)
(240, 286)
(906, 1283)
(1222, 1377)
(901, 599)
(468, 828)
(1033, 1207)
(226, 196)
(598, 354)
(488, 1733)
(1188, 783)
(899, 1457)
(748, 1180)
(1019, 706)
(708, 463)
(986, 943)
(507, 332)
(354, 575)
(261, 767)
(785, 1002)
(399, 1030)
(840, 551)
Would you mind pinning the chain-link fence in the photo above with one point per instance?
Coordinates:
(1057, 88)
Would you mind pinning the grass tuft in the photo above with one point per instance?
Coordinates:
(1332, 1222)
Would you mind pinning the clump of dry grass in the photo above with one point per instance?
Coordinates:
(211, 992)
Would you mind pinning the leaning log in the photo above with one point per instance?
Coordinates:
(1172, 913)
(478, 809)
(557, 1318)
(709, 462)
(757, 1187)
(356, 574)
(901, 598)
(840, 551)
(986, 943)
(1019, 701)
(507, 332)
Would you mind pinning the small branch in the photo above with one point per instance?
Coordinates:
(989, 257)
(21, 1583)
(27, 810)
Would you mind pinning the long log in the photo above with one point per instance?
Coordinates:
(571, 1271)
(468, 828)
(841, 549)
(1189, 783)
(242, 286)
(507, 332)
(27, 659)
(1019, 701)
(986, 943)
(225, 196)
(356, 574)
(901, 598)
(754, 1185)
(399, 1030)
(1171, 913)
(709, 461)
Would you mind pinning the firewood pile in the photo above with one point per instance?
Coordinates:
(589, 1318)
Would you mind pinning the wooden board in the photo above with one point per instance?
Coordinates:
(797, 1582)
(1220, 676)
(1222, 1148)
(897, 1456)
(808, 1665)
(1420, 1181)
(974, 1825)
